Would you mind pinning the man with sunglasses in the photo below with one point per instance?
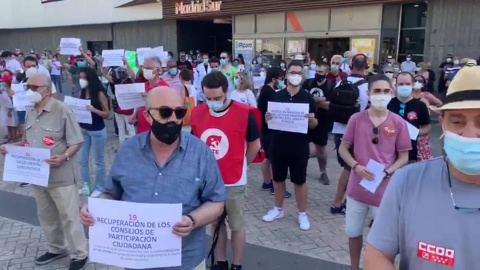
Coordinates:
(377, 135)
(431, 210)
(412, 110)
(169, 166)
(52, 125)
(230, 130)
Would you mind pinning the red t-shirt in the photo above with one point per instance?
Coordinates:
(333, 80)
(143, 124)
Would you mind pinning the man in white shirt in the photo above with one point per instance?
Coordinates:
(11, 63)
(409, 65)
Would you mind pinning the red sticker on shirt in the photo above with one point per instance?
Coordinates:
(436, 254)
(412, 116)
(48, 141)
(389, 130)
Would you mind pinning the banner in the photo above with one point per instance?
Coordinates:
(365, 46)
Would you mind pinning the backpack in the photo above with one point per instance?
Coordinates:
(344, 101)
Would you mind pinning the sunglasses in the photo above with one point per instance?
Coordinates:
(402, 109)
(167, 112)
(375, 132)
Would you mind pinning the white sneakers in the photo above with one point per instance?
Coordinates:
(273, 214)
(276, 213)
(95, 194)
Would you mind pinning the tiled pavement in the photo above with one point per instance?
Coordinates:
(20, 243)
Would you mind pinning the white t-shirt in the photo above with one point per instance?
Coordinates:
(56, 65)
(44, 70)
(339, 128)
(13, 65)
(247, 97)
(346, 68)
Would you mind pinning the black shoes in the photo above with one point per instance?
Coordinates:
(78, 264)
(48, 258)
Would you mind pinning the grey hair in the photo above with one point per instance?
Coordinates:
(337, 56)
(151, 55)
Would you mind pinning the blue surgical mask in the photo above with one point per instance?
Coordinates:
(281, 84)
(215, 105)
(334, 67)
(345, 60)
(282, 65)
(313, 66)
(404, 91)
(389, 64)
(215, 69)
(205, 61)
(236, 81)
(173, 71)
(396, 70)
(81, 64)
(223, 62)
(463, 153)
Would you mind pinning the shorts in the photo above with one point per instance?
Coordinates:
(235, 207)
(318, 135)
(355, 217)
(297, 164)
(338, 140)
(21, 117)
(266, 140)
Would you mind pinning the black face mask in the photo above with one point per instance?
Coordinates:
(319, 77)
(166, 133)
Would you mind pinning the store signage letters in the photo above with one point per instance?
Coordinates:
(203, 6)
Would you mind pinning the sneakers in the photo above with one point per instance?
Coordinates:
(95, 194)
(78, 264)
(324, 179)
(266, 186)
(273, 214)
(25, 184)
(48, 258)
(338, 210)
(287, 194)
(303, 222)
(220, 266)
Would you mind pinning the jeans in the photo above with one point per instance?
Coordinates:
(57, 80)
(96, 140)
(125, 130)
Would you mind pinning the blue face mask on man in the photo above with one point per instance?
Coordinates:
(215, 68)
(281, 84)
(223, 62)
(81, 64)
(215, 105)
(173, 71)
(463, 153)
(404, 91)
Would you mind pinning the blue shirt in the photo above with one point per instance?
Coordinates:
(191, 177)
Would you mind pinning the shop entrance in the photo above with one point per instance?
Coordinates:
(327, 47)
(209, 36)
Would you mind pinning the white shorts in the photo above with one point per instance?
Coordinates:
(355, 217)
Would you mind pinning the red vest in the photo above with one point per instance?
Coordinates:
(225, 136)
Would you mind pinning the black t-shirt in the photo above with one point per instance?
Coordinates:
(266, 94)
(292, 141)
(322, 115)
(415, 112)
(181, 65)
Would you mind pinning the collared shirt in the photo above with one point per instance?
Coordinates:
(55, 128)
(409, 66)
(191, 177)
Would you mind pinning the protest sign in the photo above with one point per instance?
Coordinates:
(128, 235)
(258, 82)
(79, 108)
(113, 58)
(70, 46)
(130, 57)
(26, 165)
(129, 96)
(288, 117)
(141, 52)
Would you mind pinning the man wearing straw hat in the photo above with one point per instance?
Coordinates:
(430, 213)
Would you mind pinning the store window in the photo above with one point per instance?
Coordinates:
(412, 31)
(390, 29)
(270, 49)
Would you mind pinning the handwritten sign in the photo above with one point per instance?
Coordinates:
(79, 108)
(288, 117)
(26, 164)
(113, 58)
(70, 46)
(127, 235)
(129, 96)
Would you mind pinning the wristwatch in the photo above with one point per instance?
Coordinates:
(67, 155)
(193, 221)
(387, 175)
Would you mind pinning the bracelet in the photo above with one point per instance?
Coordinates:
(192, 219)
(67, 155)
(354, 167)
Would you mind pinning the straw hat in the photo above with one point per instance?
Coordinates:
(464, 91)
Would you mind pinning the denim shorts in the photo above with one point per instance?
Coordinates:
(21, 117)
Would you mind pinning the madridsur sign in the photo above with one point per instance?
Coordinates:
(203, 6)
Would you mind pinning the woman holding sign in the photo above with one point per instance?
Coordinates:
(94, 134)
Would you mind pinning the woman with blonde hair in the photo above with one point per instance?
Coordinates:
(243, 92)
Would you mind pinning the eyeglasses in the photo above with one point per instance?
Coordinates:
(402, 109)
(375, 132)
(167, 112)
(32, 87)
(458, 208)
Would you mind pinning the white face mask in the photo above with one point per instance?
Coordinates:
(148, 74)
(295, 79)
(389, 75)
(408, 59)
(33, 97)
(456, 62)
(83, 83)
(262, 74)
(380, 102)
(417, 85)
(31, 71)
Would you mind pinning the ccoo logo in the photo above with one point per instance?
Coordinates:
(217, 141)
(436, 254)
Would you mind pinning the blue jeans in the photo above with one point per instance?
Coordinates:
(57, 80)
(96, 140)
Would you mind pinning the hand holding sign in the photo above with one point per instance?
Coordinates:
(183, 228)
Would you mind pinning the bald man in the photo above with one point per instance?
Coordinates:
(171, 167)
(50, 124)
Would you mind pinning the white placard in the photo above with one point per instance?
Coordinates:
(79, 108)
(377, 170)
(134, 235)
(141, 52)
(19, 99)
(288, 117)
(129, 96)
(70, 46)
(412, 131)
(26, 164)
(258, 82)
(113, 58)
